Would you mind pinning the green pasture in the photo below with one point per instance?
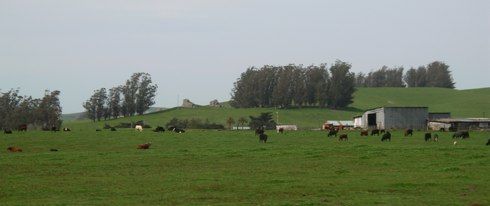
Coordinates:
(233, 168)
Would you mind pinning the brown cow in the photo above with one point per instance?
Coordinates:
(408, 132)
(144, 146)
(343, 137)
(14, 149)
(364, 133)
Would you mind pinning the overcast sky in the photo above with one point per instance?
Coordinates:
(197, 49)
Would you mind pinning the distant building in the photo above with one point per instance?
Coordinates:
(395, 118)
(188, 104)
(462, 123)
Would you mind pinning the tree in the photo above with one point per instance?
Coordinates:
(230, 121)
(146, 93)
(49, 110)
(341, 87)
(439, 75)
(241, 122)
(114, 102)
(264, 120)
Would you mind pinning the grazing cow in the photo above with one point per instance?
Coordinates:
(364, 133)
(409, 132)
(386, 137)
(144, 146)
(436, 137)
(461, 134)
(332, 132)
(375, 132)
(14, 149)
(488, 142)
(66, 129)
(22, 127)
(113, 129)
(382, 131)
(159, 129)
(138, 128)
(428, 136)
(53, 150)
(280, 130)
(263, 138)
(7, 131)
(343, 137)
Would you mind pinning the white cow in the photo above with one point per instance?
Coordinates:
(138, 128)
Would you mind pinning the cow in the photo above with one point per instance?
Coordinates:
(263, 138)
(428, 136)
(409, 132)
(113, 129)
(375, 132)
(176, 129)
(7, 131)
(22, 127)
(386, 137)
(159, 129)
(436, 137)
(144, 146)
(66, 129)
(54, 129)
(343, 137)
(53, 150)
(138, 128)
(14, 149)
(488, 142)
(364, 133)
(461, 134)
(332, 132)
(280, 130)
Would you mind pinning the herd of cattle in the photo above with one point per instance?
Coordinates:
(385, 135)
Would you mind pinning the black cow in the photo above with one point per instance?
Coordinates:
(7, 131)
(461, 134)
(375, 132)
(386, 137)
(176, 129)
(488, 142)
(159, 129)
(409, 132)
(428, 136)
(113, 129)
(332, 132)
(263, 138)
(343, 137)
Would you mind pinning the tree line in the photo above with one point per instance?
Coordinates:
(295, 85)
(134, 97)
(18, 110)
(319, 86)
(435, 74)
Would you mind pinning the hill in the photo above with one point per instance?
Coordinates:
(461, 103)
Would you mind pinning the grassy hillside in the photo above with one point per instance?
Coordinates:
(461, 103)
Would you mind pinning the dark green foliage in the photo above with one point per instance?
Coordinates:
(265, 120)
(193, 123)
(16, 110)
(341, 87)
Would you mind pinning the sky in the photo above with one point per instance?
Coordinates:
(197, 49)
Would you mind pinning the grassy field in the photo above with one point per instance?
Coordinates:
(233, 168)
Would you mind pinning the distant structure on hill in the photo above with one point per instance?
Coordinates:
(215, 103)
(188, 104)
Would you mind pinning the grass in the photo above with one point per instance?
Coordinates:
(232, 168)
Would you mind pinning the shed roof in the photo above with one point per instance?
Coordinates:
(465, 120)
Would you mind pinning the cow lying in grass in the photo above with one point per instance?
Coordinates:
(144, 146)
(408, 132)
(14, 149)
